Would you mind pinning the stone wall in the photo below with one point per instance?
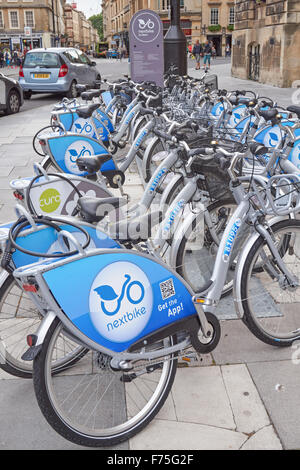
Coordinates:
(275, 27)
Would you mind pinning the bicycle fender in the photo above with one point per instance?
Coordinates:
(39, 337)
(240, 264)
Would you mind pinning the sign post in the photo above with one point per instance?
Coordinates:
(28, 33)
(146, 47)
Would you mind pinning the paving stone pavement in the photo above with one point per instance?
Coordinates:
(242, 396)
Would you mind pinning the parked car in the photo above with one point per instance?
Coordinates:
(11, 95)
(112, 54)
(56, 70)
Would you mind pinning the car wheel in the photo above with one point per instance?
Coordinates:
(72, 93)
(27, 95)
(13, 102)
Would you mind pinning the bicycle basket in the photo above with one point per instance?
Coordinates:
(286, 197)
(211, 81)
(215, 182)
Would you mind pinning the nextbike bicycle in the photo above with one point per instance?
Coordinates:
(133, 354)
(127, 378)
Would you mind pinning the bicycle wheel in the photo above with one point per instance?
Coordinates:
(153, 158)
(97, 406)
(18, 318)
(197, 251)
(271, 307)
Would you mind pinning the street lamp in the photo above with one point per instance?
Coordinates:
(175, 41)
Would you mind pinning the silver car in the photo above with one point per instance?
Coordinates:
(56, 70)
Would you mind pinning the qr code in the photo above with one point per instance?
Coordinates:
(167, 289)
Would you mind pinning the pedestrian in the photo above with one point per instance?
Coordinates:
(20, 58)
(213, 51)
(207, 55)
(123, 51)
(227, 51)
(15, 58)
(197, 51)
(1, 60)
(7, 58)
(119, 53)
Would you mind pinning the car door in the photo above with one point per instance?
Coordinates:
(89, 70)
(77, 70)
(2, 93)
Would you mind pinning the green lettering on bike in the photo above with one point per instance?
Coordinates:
(50, 201)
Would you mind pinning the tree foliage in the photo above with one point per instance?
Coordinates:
(97, 22)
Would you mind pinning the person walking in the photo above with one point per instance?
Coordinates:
(227, 51)
(1, 60)
(197, 51)
(6, 58)
(207, 55)
(15, 58)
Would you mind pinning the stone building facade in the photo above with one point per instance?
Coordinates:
(266, 41)
(79, 31)
(44, 17)
(200, 19)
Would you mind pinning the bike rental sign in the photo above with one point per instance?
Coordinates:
(146, 47)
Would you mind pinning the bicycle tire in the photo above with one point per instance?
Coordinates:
(44, 390)
(261, 320)
(181, 264)
(11, 361)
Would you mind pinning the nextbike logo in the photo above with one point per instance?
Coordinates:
(79, 148)
(83, 126)
(272, 137)
(50, 201)
(146, 27)
(157, 180)
(146, 24)
(140, 138)
(121, 301)
(180, 204)
(230, 240)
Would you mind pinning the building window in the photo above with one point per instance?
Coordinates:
(231, 15)
(214, 16)
(1, 20)
(14, 20)
(29, 19)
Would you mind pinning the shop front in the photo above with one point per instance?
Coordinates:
(10, 42)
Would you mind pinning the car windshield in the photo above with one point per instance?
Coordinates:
(42, 59)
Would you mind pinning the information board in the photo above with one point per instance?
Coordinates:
(146, 47)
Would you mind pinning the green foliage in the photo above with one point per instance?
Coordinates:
(97, 22)
(230, 27)
(214, 27)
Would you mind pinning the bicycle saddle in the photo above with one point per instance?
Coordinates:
(92, 164)
(258, 149)
(89, 95)
(86, 112)
(81, 88)
(268, 114)
(94, 209)
(294, 109)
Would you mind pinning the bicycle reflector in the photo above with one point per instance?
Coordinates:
(31, 340)
(18, 196)
(33, 288)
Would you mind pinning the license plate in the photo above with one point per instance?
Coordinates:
(41, 75)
